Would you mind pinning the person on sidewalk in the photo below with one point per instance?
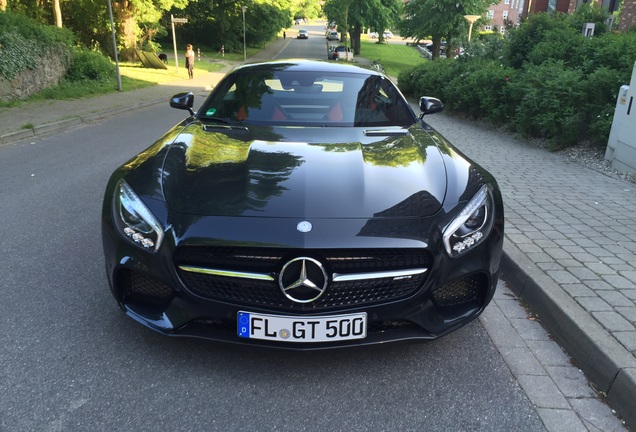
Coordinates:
(190, 60)
(284, 35)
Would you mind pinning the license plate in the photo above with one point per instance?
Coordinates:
(302, 329)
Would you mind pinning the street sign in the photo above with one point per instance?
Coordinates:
(180, 20)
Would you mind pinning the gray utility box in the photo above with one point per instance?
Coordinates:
(621, 145)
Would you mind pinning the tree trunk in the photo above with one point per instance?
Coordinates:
(437, 42)
(57, 13)
(355, 38)
(128, 29)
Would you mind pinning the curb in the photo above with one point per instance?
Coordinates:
(63, 125)
(608, 365)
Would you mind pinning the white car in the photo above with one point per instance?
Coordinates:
(373, 35)
(302, 34)
(387, 34)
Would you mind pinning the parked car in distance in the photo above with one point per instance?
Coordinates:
(330, 51)
(304, 205)
(387, 34)
(342, 52)
(332, 35)
(373, 35)
(442, 48)
(302, 34)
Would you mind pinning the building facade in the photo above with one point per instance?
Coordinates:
(511, 12)
(505, 14)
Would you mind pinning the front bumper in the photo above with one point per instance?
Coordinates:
(153, 291)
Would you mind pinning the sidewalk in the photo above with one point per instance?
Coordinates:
(569, 252)
(570, 248)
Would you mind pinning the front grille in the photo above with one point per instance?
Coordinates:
(140, 288)
(271, 260)
(470, 290)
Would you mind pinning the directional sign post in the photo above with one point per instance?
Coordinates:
(174, 38)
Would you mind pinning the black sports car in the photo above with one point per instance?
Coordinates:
(304, 205)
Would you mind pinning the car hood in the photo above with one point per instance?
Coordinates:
(304, 172)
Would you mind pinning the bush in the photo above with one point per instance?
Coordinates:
(602, 88)
(23, 42)
(523, 39)
(482, 90)
(430, 78)
(90, 65)
(545, 79)
(551, 97)
(564, 44)
(614, 51)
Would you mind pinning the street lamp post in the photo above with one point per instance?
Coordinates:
(244, 8)
(112, 29)
(471, 20)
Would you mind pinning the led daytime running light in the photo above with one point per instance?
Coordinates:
(136, 235)
(480, 199)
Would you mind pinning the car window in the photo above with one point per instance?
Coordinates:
(308, 98)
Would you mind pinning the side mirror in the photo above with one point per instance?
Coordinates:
(184, 101)
(430, 105)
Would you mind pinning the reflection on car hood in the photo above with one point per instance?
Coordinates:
(304, 172)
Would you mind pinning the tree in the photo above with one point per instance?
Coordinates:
(384, 16)
(309, 9)
(131, 13)
(354, 15)
(440, 19)
(338, 11)
(220, 22)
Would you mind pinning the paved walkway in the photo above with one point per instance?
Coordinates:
(570, 248)
(570, 251)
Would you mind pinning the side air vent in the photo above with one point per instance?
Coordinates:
(230, 130)
(386, 133)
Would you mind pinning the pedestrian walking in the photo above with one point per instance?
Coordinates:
(190, 60)
(284, 35)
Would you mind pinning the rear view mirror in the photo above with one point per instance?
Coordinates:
(430, 105)
(184, 101)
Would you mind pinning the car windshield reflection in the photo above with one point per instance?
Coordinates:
(303, 98)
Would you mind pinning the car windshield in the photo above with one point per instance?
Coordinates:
(307, 98)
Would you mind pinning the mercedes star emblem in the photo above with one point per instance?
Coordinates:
(303, 280)
(304, 226)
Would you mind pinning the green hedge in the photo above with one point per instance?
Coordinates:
(544, 80)
(90, 65)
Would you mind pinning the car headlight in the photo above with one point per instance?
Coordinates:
(135, 221)
(471, 226)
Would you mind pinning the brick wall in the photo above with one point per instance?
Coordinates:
(628, 17)
(49, 71)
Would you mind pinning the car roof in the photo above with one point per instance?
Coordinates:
(299, 65)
